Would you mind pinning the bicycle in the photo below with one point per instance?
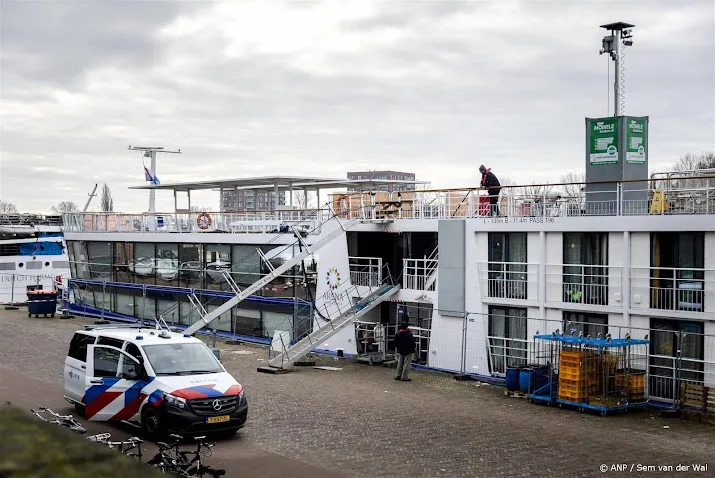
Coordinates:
(60, 420)
(164, 459)
(181, 462)
(126, 446)
(197, 467)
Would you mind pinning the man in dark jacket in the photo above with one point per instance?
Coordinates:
(405, 346)
(490, 181)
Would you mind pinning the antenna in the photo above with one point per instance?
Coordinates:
(621, 33)
(150, 152)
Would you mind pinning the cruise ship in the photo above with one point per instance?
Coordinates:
(622, 257)
(32, 255)
(625, 254)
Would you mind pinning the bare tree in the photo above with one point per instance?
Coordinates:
(299, 200)
(106, 203)
(538, 191)
(573, 190)
(7, 207)
(199, 209)
(65, 207)
(691, 162)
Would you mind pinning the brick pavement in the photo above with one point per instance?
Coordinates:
(360, 422)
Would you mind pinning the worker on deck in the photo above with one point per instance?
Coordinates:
(491, 183)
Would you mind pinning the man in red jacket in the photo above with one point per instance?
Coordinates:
(491, 183)
(405, 347)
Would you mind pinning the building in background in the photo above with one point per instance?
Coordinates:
(246, 200)
(385, 175)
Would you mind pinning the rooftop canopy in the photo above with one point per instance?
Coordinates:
(280, 183)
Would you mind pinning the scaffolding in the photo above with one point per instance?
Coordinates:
(602, 374)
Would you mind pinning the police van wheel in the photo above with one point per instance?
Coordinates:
(79, 409)
(151, 423)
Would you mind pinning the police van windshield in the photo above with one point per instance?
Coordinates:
(182, 359)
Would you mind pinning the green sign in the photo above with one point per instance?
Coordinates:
(603, 148)
(635, 140)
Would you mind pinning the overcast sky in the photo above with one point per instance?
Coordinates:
(303, 88)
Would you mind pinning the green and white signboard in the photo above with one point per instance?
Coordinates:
(603, 147)
(635, 140)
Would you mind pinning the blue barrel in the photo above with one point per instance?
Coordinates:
(525, 379)
(512, 379)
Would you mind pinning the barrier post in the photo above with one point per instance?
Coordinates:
(12, 305)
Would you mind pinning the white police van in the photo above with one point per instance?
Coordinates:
(165, 381)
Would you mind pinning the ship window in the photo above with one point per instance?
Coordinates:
(123, 256)
(100, 260)
(507, 338)
(576, 323)
(191, 265)
(677, 275)
(218, 259)
(507, 265)
(585, 271)
(167, 264)
(144, 263)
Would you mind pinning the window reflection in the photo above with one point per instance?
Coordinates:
(143, 265)
(100, 260)
(167, 264)
(218, 260)
(123, 256)
(80, 258)
(190, 265)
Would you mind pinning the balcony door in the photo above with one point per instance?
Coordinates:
(507, 275)
(585, 274)
(677, 275)
(507, 338)
(668, 368)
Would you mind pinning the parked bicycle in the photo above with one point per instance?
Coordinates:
(126, 447)
(60, 420)
(171, 458)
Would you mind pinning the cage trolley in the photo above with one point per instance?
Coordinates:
(602, 374)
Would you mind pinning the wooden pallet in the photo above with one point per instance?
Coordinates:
(515, 394)
(698, 400)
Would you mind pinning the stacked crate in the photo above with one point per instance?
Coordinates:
(577, 376)
(633, 385)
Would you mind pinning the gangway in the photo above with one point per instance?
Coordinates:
(275, 272)
(325, 329)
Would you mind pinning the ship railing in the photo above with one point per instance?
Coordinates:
(420, 274)
(508, 280)
(197, 222)
(692, 195)
(366, 271)
(584, 284)
(686, 290)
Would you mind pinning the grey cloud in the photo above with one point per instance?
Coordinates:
(57, 43)
(462, 100)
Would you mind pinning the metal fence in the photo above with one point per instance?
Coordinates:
(486, 344)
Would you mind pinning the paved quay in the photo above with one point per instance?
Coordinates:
(359, 422)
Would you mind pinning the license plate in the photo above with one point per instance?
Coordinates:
(222, 418)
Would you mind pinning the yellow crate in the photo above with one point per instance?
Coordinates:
(570, 374)
(633, 385)
(576, 397)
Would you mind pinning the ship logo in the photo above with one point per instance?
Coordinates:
(333, 278)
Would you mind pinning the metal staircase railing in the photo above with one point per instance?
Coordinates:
(324, 329)
(432, 271)
(207, 318)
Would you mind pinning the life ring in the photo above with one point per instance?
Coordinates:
(203, 220)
